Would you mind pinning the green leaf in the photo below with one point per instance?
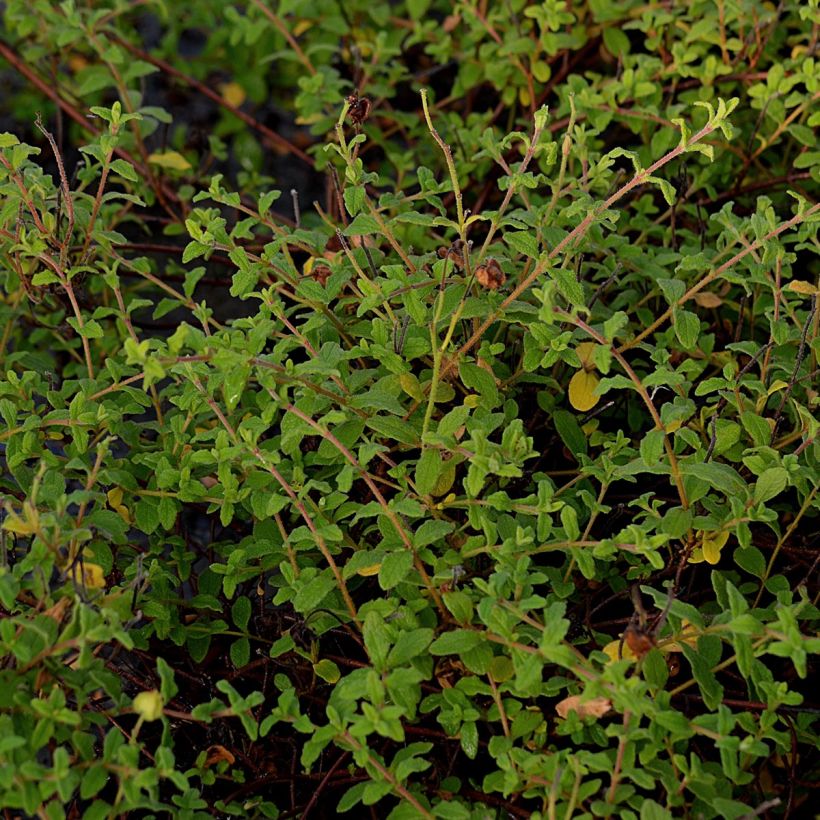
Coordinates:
(569, 521)
(93, 780)
(477, 378)
(687, 328)
(362, 225)
(313, 593)
(711, 690)
(417, 8)
(616, 42)
(409, 645)
(770, 483)
(168, 688)
(655, 670)
(652, 447)
(240, 652)
(460, 605)
(432, 531)
(569, 286)
(377, 641)
(523, 242)
(354, 199)
(567, 427)
(428, 470)
(124, 169)
(719, 476)
(241, 612)
(650, 810)
(91, 328)
(394, 569)
(752, 560)
(456, 641)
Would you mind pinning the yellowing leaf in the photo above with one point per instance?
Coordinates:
(91, 576)
(582, 391)
(688, 635)
(327, 670)
(448, 500)
(710, 546)
(114, 496)
(445, 479)
(612, 649)
(372, 569)
(15, 524)
(801, 287)
(594, 707)
(233, 94)
(172, 160)
(585, 352)
(777, 385)
(410, 384)
(149, 705)
(708, 300)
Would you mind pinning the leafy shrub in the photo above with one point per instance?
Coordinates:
(484, 486)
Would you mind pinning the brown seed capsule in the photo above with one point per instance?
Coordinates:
(321, 273)
(359, 109)
(490, 275)
(639, 640)
(455, 253)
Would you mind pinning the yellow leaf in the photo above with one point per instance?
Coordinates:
(233, 94)
(114, 496)
(776, 385)
(585, 352)
(688, 635)
(373, 569)
(15, 524)
(582, 391)
(710, 546)
(471, 400)
(91, 577)
(801, 287)
(612, 649)
(172, 160)
(594, 707)
(149, 705)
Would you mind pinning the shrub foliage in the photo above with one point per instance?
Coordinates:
(409, 405)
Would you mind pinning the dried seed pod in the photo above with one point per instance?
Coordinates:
(639, 640)
(321, 273)
(490, 275)
(455, 252)
(359, 109)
